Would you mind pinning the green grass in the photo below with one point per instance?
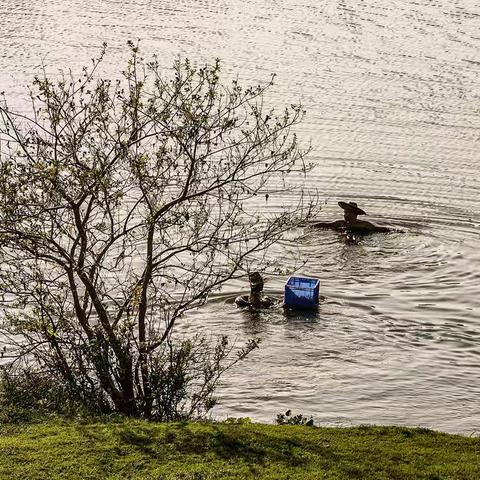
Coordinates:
(134, 449)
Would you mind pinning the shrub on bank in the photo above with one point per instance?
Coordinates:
(125, 204)
(29, 395)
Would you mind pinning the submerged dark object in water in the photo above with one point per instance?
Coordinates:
(255, 300)
(244, 302)
(350, 224)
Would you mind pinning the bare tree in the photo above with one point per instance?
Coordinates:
(124, 204)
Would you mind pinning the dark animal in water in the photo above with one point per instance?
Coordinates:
(350, 223)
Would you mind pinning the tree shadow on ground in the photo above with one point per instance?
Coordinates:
(226, 442)
(231, 443)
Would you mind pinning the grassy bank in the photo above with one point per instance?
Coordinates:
(129, 449)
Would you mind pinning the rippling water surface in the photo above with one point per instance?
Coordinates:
(392, 92)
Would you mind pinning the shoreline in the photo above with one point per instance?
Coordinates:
(124, 448)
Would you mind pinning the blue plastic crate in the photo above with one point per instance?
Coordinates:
(302, 292)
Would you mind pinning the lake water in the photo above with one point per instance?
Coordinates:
(392, 91)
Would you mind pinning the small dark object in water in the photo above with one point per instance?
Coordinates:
(255, 300)
(350, 223)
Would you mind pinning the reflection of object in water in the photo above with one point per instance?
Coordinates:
(255, 300)
(304, 317)
(350, 237)
(350, 222)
